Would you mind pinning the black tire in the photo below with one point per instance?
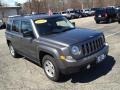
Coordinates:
(119, 22)
(72, 17)
(13, 53)
(110, 20)
(97, 22)
(57, 74)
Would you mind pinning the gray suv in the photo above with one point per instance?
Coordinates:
(55, 44)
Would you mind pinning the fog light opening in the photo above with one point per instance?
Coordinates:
(88, 66)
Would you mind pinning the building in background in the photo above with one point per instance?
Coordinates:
(9, 11)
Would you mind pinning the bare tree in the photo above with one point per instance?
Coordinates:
(59, 5)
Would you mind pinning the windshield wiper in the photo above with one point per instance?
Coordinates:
(59, 31)
(67, 29)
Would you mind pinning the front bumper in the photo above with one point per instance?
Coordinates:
(71, 67)
(100, 18)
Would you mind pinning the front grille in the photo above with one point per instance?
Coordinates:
(92, 46)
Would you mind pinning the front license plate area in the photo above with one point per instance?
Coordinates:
(99, 16)
(101, 58)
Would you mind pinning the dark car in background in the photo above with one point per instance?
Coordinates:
(2, 24)
(107, 14)
(56, 13)
(73, 13)
(81, 14)
(118, 15)
(88, 12)
(65, 14)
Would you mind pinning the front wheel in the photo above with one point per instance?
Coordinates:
(50, 68)
(119, 22)
(97, 22)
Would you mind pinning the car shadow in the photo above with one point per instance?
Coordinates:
(86, 76)
(103, 22)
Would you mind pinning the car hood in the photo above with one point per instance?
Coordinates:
(73, 36)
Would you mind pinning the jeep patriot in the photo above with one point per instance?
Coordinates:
(55, 44)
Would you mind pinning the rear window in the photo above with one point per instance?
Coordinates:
(100, 11)
(111, 10)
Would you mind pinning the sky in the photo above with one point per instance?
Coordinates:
(12, 2)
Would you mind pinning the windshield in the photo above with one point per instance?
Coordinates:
(53, 25)
(100, 11)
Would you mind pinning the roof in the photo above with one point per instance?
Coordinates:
(34, 17)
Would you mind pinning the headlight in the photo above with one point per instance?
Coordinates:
(75, 50)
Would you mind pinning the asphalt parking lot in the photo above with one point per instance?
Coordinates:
(21, 74)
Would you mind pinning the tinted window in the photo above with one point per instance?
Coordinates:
(16, 25)
(100, 11)
(26, 26)
(110, 10)
(9, 24)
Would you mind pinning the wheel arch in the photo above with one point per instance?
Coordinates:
(47, 51)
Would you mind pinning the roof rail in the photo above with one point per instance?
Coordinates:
(14, 16)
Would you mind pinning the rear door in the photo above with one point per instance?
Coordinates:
(15, 35)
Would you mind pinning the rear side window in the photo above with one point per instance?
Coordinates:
(16, 26)
(9, 22)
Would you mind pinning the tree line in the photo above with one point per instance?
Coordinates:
(61, 5)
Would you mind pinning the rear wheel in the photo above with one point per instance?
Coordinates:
(12, 51)
(97, 22)
(50, 68)
(110, 20)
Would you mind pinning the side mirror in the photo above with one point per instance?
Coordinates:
(73, 23)
(27, 33)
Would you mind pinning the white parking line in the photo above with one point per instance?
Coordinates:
(112, 34)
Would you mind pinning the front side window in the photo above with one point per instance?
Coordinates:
(53, 25)
(26, 26)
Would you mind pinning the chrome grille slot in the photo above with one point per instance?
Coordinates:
(92, 46)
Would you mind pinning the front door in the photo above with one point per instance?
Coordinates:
(29, 44)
